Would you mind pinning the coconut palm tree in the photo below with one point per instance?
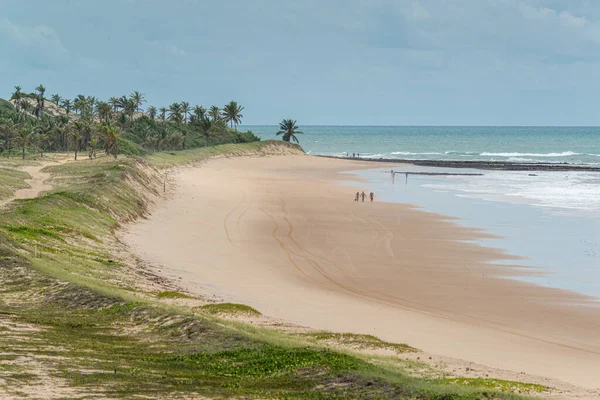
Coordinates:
(206, 125)
(78, 131)
(138, 99)
(9, 131)
(215, 113)
(40, 100)
(185, 109)
(80, 105)
(115, 102)
(44, 131)
(129, 107)
(152, 112)
(17, 97)
(104, 110)
(56, 99)
(111, 138)
(163, 114)
(232, 113)
(67, 105)
(41, 142)
(24, 137)
(90, 108)
(199, 113)
(92, 147)
(289, 130)
(175, 113)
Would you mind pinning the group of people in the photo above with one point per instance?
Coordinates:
(363, 195)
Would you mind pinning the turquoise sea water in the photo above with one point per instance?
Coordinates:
(580, 145)
(551, 219)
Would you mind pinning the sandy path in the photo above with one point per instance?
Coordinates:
(37, 183)
(280, 235)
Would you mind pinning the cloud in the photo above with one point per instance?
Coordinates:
(38, 45)
(32, 36)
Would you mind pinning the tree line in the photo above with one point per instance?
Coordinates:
(87, 124)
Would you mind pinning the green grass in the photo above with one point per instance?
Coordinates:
(359, 341)
(11, 180)
(230, 309)
(173, 295)
(498, 384)
(59, 276)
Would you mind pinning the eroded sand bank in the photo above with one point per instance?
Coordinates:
(280, 234)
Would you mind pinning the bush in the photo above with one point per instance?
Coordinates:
(129, 147)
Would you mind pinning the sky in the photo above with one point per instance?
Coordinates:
(330, 62)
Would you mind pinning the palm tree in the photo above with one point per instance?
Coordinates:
(90, 102)
(111, 138)
(78, 131)
(175, 113)
(199, 113)
(215, 113)
(138, 99)
(92, 147)
(56, 99)
(289, 130)
(44, 131)
(25, 137)
(185, 109)
(67, 105)
(9, 130)
(129, 107)
(41, 142)
(17, 96)
(206, 125)
(122, 102)
(163, 114)
(232, 113)
(104, 110)
(115, 102)
(81, 104)
(40, 100)
(152, 112)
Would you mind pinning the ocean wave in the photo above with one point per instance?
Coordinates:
(563, 154)
(408, 153)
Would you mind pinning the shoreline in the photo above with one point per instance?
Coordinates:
(245, 234)
(485, 165)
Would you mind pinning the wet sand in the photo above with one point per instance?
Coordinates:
(280, 234)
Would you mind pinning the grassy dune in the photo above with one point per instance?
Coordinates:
(78, 314)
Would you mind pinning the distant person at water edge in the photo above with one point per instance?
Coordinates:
(371, 196)
(363, 195)
(357, 196)
(353, 155)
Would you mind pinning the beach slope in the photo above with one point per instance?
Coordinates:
(282, 235)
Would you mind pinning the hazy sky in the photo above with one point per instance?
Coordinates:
(384, 62)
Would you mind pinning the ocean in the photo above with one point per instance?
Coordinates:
(577, 145)
(551, 219)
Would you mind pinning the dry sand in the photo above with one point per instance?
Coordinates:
(280, 234)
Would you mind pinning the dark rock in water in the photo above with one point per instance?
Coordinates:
(532, 175)
(490, 165)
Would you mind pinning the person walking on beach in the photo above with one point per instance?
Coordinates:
(357, 196)
(363, 195)
(371, 196)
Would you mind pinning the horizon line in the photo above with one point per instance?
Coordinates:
(434, 126)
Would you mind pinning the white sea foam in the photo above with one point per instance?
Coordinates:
(408, 153)
(570, 190)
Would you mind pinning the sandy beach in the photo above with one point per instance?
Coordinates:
(281, 235)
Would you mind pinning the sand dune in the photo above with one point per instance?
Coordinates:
(281, 235)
